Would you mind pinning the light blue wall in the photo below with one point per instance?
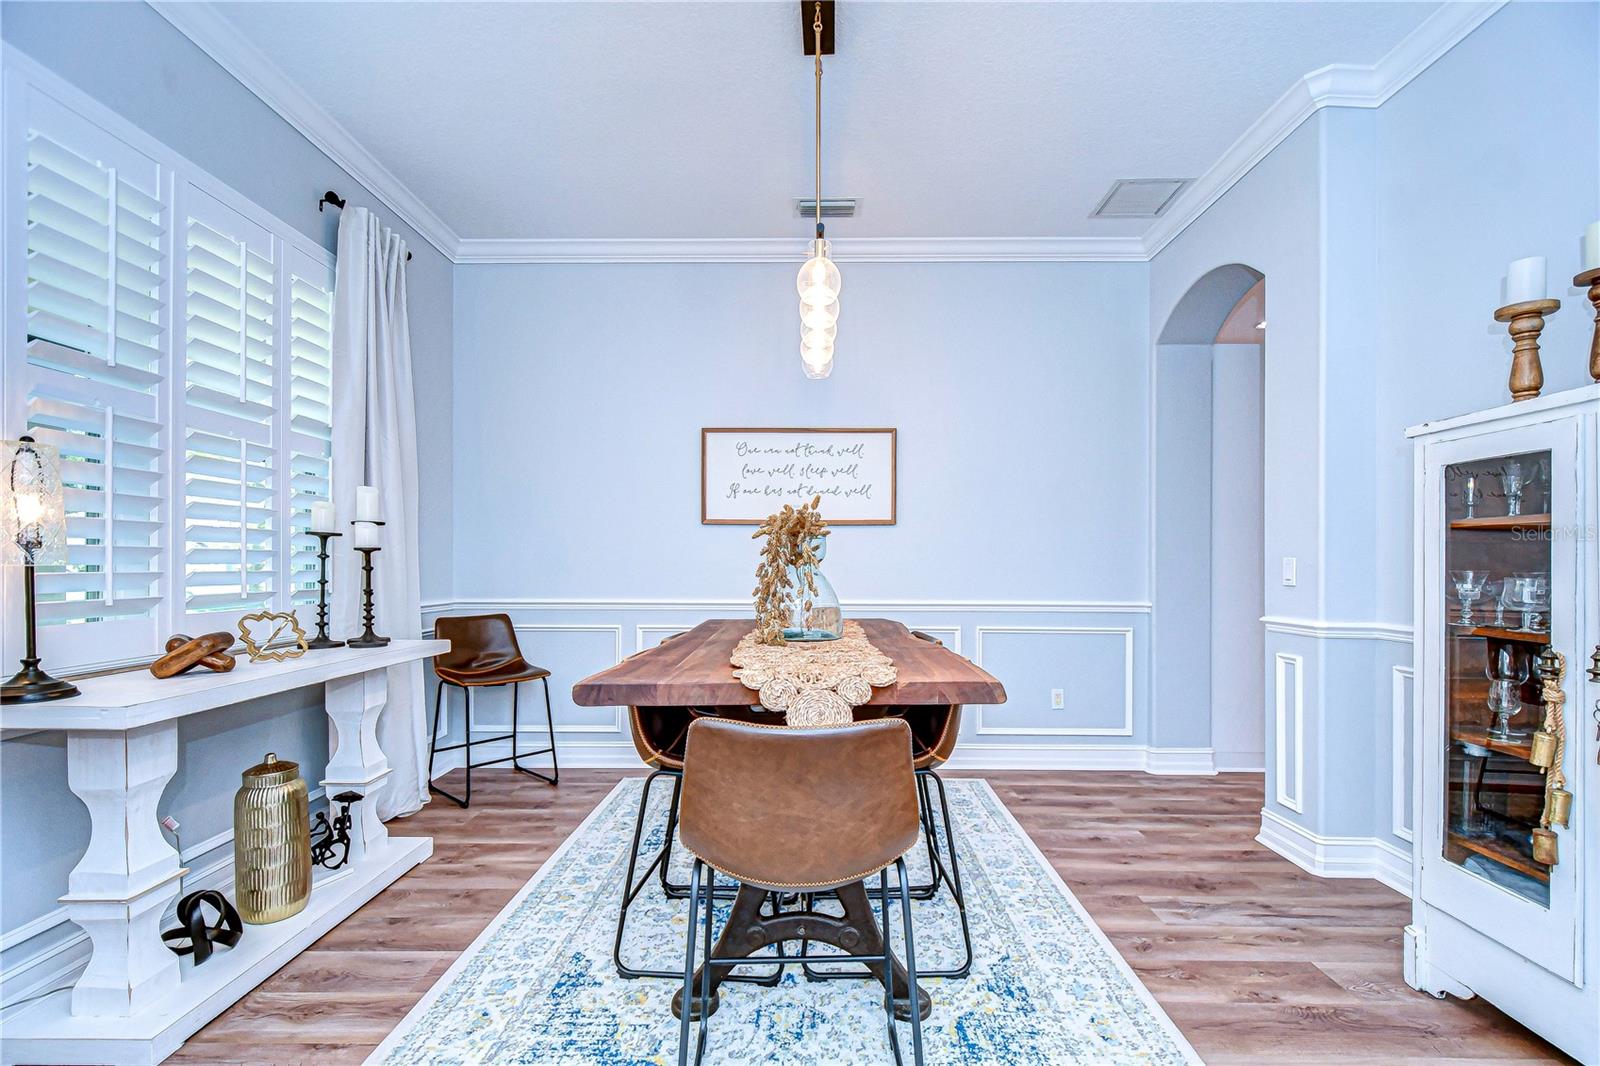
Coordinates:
(1019, 391)
(133, 61)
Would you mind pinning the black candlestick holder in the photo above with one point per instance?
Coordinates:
(322, 640)
(369, 637)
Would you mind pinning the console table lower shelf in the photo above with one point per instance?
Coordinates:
(48, 1031)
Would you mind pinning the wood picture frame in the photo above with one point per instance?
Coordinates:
(865, 497)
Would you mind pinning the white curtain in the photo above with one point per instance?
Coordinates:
(375, 443)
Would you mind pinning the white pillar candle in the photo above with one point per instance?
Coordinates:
(366, 534)
(1525, 280)
(1591, 246)
(324, 517)
(367, 496)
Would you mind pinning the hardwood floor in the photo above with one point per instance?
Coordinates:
(1256, 961)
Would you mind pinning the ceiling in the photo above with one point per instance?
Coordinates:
(693, 120)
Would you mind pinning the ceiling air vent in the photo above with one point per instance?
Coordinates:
(1140, 197)
(831, 208)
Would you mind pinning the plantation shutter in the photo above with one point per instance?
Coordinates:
(93, 378)
(231, 468)
(310, 414)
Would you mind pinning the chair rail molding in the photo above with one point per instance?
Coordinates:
(742, 605)
(1328, 629)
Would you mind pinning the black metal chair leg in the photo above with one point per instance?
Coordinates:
(555, 776)
(688, 962)
(705, 971)
(952, 878)
(432, 744)
(911, 963)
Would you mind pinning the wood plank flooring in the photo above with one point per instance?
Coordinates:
(1256, 961)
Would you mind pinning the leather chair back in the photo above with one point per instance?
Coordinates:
(478, 643)
(798, 808)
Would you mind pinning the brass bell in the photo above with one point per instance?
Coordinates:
(1543, 749)
(1544, 847)
(1558, 807)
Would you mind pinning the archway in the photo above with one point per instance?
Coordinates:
(1209, 563)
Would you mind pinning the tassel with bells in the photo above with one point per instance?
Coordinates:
(1549, 751)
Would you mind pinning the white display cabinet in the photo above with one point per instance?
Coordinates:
(1506, 567)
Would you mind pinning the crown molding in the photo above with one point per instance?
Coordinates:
(234, 52)
(791, 249)
(1337, 85)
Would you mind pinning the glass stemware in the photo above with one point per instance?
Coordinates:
(1492, 591)
(1469, 588)
(1471, 495)
(1530, 595)
(1507, 671)
(1513, 480)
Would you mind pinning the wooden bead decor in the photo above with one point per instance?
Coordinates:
(1526, 323)
(185, 652)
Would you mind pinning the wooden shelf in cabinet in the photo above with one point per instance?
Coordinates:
(1502, 853)
(1503, 521)
(1479, 735)
(1522, 636)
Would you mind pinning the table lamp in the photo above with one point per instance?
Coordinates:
(33, 530)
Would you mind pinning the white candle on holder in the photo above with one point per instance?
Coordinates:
(324, 517)
(366, 534)
(367, 496)
(1525, 280)
(1591, 247)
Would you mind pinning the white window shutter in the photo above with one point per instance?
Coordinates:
(93, 379)
(231, 449)
(309, 432)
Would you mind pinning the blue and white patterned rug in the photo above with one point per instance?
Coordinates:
(538, 986)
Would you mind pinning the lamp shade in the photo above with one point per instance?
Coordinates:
(33, 523)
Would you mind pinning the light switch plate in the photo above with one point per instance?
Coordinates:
(1289, 563)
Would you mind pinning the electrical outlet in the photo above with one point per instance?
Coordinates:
(1058, 699)
(1289, 563)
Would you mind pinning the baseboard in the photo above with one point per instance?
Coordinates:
(1324, 856)
(1241, 762)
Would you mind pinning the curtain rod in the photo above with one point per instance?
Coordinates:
(331, 197)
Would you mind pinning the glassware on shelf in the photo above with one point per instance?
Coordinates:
(1471, 820)
(1530, 595)
(1506, 671)
(1472, 496)
(1514, 481)
(1492, 590)
(1469, 588)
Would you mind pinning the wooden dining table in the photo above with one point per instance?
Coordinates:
(693, 670)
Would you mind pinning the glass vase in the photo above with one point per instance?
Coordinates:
(811, 605)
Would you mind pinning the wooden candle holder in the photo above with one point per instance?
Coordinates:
(1591, 278)
(1527, 322)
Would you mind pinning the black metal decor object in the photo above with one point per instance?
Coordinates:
(369, 637)
(195, 936)
(326, 836)
(322, 640)
(331, 198)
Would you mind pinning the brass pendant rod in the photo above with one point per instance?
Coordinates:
(816, 29)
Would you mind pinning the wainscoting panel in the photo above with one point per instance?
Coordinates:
(1401, 715)
(1288, 734)
(1092, 665)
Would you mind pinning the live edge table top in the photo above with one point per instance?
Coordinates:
(693, 671)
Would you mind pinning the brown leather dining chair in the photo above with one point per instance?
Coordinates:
(484, 654)
(798, 810)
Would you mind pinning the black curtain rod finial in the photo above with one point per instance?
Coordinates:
(331, 197)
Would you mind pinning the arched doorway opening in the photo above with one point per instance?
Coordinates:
(1209, 564)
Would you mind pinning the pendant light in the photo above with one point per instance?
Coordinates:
(819, 279)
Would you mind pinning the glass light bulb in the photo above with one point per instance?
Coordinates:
(30, 508)
(818, 283)
(818, 338)
(816, 371)
(814, 316)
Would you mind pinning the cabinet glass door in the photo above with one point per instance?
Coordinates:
(1497, 608)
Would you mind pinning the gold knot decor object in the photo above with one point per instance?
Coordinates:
(278, 621)
(788, 551)
(813, 684)
(185, 652)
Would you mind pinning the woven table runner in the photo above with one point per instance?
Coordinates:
(813, 683)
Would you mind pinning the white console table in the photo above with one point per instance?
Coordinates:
(136, 1002)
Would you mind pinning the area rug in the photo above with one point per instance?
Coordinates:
(538, 986)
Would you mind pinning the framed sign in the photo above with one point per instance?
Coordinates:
(746, 474)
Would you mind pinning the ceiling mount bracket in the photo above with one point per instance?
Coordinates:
(808, 11)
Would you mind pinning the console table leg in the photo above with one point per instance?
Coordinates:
(358, 764)
(129, 874)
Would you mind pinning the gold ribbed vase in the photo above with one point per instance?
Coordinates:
(271, 843)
